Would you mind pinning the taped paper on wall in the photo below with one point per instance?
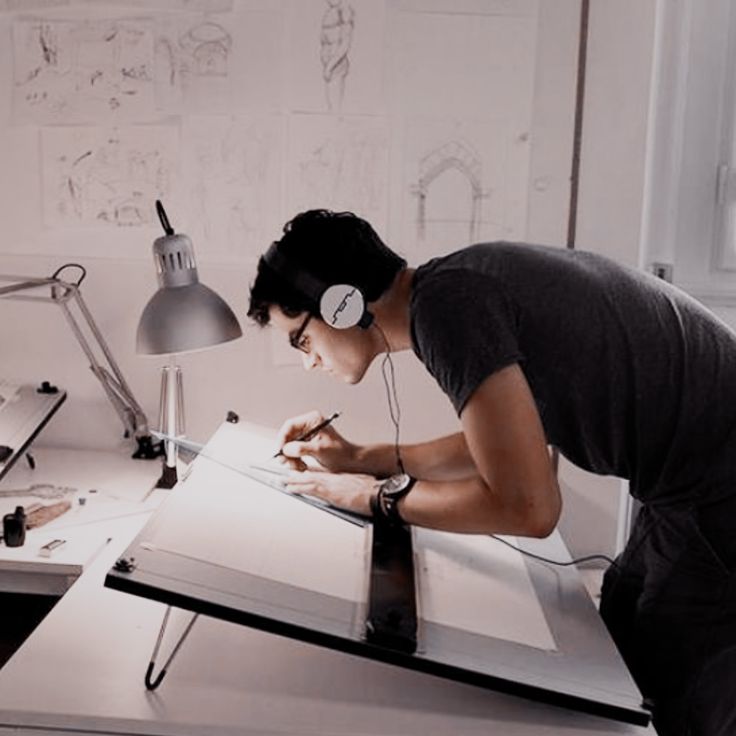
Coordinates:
(462, 182)
(106, 177)
(83, 72)
(337, 58)
(223, 64)
(232, 167)
(339, 163)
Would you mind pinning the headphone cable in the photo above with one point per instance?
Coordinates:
(389, 381)
(389, 376)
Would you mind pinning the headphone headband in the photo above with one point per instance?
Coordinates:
(340, 305)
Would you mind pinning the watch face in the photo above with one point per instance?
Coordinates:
(395, 484)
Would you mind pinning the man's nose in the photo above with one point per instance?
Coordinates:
(309, 360)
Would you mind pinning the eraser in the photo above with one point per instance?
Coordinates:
(48, 549)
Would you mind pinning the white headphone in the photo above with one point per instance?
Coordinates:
(340, 305)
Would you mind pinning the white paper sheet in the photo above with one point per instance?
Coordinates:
(471, 7)
(464, 581)
(203, 6)
(220, 64)
(440, 59)
(12, 6)
(340, 163)
(83, 72)
(336, 55)
(462, 182)
(477, 584)
(228, 520)
(232, 169)
(108, 177)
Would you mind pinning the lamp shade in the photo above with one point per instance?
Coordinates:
(183, 314)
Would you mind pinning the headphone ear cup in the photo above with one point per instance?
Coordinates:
(342, 306)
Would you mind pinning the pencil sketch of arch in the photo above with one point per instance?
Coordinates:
(451, 155)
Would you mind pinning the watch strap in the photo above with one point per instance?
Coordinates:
(385, 506)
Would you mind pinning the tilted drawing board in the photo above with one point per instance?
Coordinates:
(24, 412)
(227, 546)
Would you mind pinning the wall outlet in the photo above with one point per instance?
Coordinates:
(662, 270)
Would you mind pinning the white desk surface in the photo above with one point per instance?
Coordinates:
(122, 488)
(82, 672)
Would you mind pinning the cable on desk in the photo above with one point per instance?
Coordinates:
(577, 560)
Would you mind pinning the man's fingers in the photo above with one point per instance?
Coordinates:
(300, 449)
(297, 426)
(294, 463)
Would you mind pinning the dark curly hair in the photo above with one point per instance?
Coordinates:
(336, 248)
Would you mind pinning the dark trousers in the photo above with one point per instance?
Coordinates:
(670, 606)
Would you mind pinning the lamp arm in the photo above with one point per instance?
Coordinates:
(63, 293)
(115, 386)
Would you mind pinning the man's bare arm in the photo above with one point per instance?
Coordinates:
(515, 490)
(444, 458)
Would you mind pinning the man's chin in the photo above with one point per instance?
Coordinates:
(353, 378)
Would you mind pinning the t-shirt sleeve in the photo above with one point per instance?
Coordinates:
(464, 329)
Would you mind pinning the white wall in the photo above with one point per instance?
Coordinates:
(610, 214)
(36, 343)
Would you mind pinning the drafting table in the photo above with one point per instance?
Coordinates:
(81, 672)
(234, 549)
(24, 412)
(111, 486)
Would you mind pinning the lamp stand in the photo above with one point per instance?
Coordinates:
(171, 419)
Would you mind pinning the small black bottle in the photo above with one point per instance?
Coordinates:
(14, 527)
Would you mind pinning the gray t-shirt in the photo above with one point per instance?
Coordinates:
(631, 376)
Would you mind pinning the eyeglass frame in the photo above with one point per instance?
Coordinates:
(295, 337)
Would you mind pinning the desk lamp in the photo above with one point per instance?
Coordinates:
(182, 316)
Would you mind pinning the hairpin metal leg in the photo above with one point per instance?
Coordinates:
(152, 685)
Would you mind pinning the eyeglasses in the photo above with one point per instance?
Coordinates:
(298, 339)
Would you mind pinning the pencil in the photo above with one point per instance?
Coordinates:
(312, 432)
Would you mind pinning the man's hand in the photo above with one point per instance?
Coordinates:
(329, 448)
(347, 491)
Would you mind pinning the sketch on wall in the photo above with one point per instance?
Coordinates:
(222, 64)
(335, 39)
(340, 164)
(11, 6)
(106, 177)
(206, 49)
(232, 167)
(457, 156)
(336, 55)
(80, 72)
(462, 182)
(463, 171)
(204, 6)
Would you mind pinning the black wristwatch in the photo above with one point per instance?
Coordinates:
(385, 504)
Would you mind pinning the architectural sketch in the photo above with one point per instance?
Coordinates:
(224, 65)
(206, 48)
(106, 177)
(460, 181)
(339, 163)
(232, 167)
(458, 156)
(338, 23)
(69, 72)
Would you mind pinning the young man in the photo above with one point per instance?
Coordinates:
(539, 346)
